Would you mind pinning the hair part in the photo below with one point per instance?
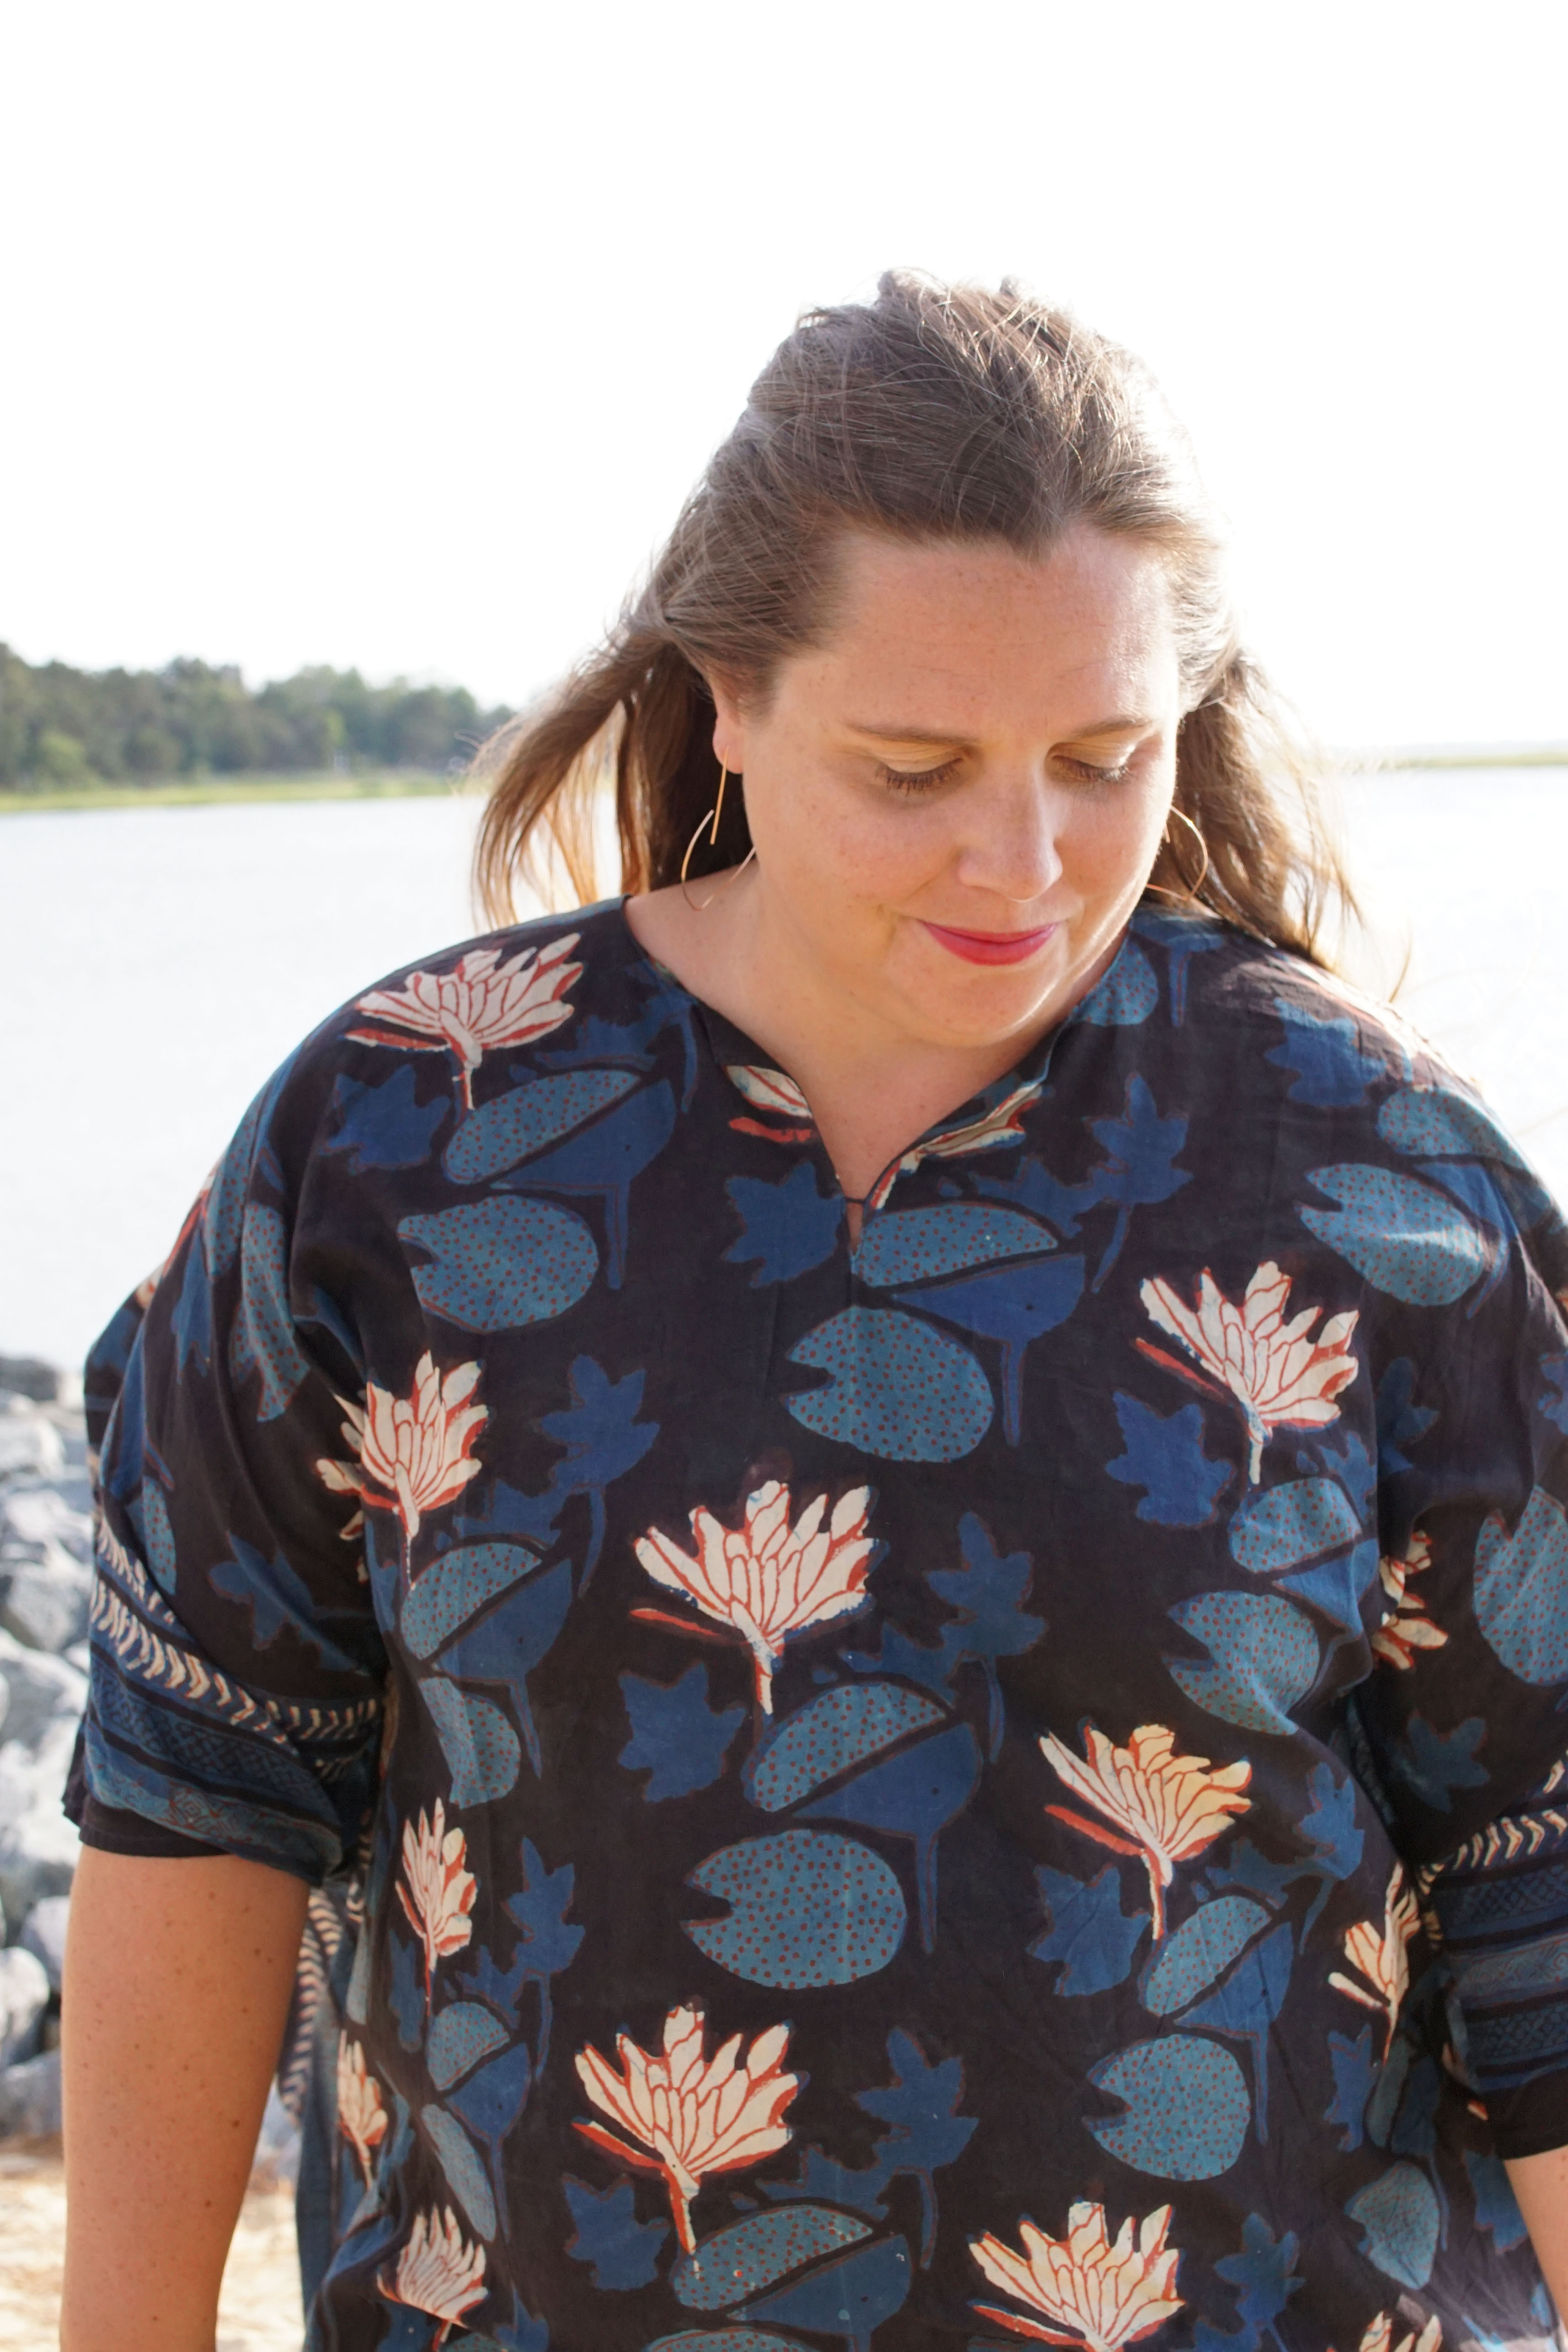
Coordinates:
(934, 414)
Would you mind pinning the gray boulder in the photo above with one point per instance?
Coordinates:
(43, 1936)
(30, 2098)
(30, 1445)
(45, 1595)
(38, 1847)
(29, 1376)
(24, 1996)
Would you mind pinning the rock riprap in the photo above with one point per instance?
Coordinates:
(46, 1586)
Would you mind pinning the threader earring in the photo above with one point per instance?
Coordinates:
(709, 826)
(1190, 893)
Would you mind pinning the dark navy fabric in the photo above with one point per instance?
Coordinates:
(889, 1786)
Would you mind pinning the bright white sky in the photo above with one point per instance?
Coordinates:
(393, 336)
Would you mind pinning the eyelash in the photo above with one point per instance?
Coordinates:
(901, 780)
(922, 780)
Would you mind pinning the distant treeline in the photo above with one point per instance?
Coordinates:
(60, 726)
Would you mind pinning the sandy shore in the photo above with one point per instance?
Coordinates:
(260, 2306)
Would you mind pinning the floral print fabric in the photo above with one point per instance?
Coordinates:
(1006, 1784)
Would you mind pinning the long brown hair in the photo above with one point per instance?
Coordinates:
(934, 413)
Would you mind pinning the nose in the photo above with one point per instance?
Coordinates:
(1011, 847)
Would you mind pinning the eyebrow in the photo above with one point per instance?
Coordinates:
(1122, 723)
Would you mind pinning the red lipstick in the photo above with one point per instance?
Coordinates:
(991, 947)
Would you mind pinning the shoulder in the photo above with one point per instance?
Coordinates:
(1237, 996)
(382, 1081)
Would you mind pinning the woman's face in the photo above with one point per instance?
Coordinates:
(957, 802)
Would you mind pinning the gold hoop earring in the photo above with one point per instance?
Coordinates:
(1190, 894)
(709, 824)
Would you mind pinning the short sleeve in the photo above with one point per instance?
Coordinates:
(1466, 1715)
(237, 1672)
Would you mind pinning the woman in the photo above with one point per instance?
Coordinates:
(905, 1501)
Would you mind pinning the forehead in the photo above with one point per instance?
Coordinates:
(950, 634)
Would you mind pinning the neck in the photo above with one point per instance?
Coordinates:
(873, 1088)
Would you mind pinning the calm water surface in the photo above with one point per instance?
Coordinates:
(158, 963)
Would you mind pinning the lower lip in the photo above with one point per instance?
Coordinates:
(992, 947)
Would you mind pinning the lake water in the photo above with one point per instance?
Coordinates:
(158, 963)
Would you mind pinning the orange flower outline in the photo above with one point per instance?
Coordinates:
(1170, 1807)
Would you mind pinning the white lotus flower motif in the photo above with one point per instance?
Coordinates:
(440, 1892)
(767, 1579)
(438, 2271)
(1093, 2292)
(1406, 1628)
(692, 2114)
(414, 1451)
(1170, 1807)
(1382, 1956)
(1278, 1375)
(362, 2117)
(1001, 1126)
(768, 1090)
(482, 1004)
(1379, 2337)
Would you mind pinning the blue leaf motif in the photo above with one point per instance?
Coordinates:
(498, 1264)
(262, 1338)
(1331, 1073)
(549, 1943)
(1013, 1304)
(407, 1996)
(913, 1794)
(1265, 2269)
(1201, 1949)
(460, 2161)
(507, 1645)
(478, 1743)
(1434, 1762)
(1139, 1168)
(988, 1593)
(1497, 2207)
(383, 1127)
(1164, 1455)
(1399, 2217)
(907, 1245)
(1430, 1121)
(622, 2250)
(1403, 1237)
(1264, 1654)
(678, 1738)
(1183, 935)
(749, 2255)
(1128, 993)
(456, 1588)
(509, 1127)
(805, 1909)
(786, 1228)
(1087, 1929)
(1185, 2108)
(1246, 2004)
(899, 1389)
(1277, 1528)
(1354, 2072)
(849, 2298)
(924, 2129)
(275, 1595)
(1400, 1421)
(604, 1162)
(1521, 1591)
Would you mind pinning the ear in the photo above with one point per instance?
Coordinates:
(730, 726)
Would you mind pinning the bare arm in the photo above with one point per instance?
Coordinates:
(176, 1991)
(1541, 2184)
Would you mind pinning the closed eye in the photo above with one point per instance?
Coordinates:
(1084, 774)
(908, 779)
